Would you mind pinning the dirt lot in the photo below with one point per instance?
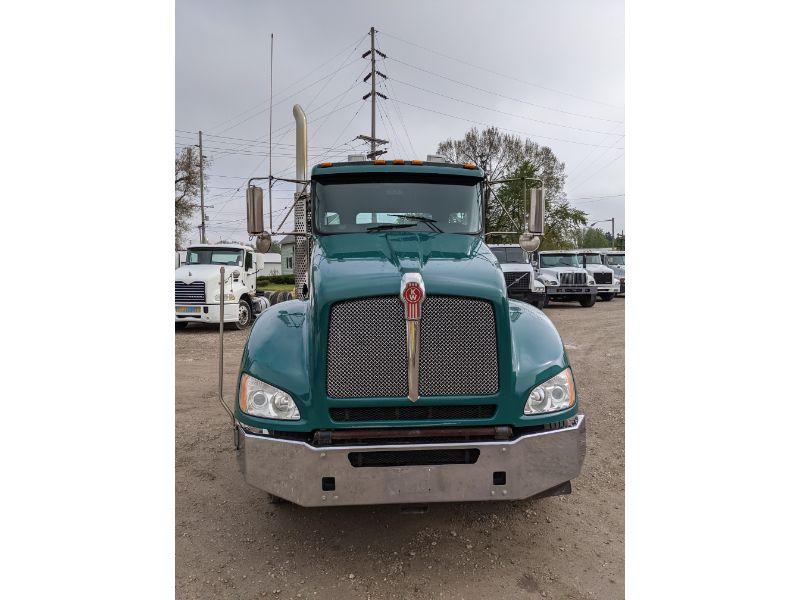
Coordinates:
(230, 543)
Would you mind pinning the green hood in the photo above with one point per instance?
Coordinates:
(371, 264)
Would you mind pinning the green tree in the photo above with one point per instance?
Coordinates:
(593, 237)
(187, 190)
(619, 243)
(505, 156)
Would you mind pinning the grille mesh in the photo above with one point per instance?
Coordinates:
(602, 277)
(190, 293)
(367, 348)
(517, 281)
(412, 413)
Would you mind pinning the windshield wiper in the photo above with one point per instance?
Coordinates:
(426, 220)
(390, 226)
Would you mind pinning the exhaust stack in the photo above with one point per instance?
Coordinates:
(300, 216)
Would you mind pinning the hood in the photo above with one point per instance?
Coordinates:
(371, 264)
(516, 268)
(207, 273)
(598, 269)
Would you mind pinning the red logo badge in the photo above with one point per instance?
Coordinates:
(413, 294)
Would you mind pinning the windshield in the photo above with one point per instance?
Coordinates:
(406, 203)
(618, 260)
(593, 259)
(214, 256)
(559, 260)
(509, 255)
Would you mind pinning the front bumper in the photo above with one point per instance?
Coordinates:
(206, 313)
(571, 290)
(294, 470)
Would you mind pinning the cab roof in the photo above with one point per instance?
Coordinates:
(229, 246)
(396, 166)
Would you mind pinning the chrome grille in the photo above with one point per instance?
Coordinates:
(517, 281)
(573, 278)
(190, 293)
(367, 348)
(602, 277)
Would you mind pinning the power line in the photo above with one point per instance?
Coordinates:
(527, 133)
(499, 95)
(463, 62)
(583, 181)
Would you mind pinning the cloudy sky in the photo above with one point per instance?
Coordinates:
(549, 71)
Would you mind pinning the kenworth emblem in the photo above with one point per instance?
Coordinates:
(412, 293)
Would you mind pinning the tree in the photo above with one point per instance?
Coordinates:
(505, 156)
(593, 237)
(187, 190)
(619, 243)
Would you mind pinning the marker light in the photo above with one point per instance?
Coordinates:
(398, 161)
(416, 162)
(378, 162)
(469, 165)
(325, 164)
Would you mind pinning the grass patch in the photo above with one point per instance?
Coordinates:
(275, 287)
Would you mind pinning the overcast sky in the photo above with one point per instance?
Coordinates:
(549, 71)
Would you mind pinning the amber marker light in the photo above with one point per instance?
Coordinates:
(469, 165)
(416, 162)
(378, 162)
(325, 164)
(398, 161)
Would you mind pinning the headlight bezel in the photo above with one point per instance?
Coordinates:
(250, 387)
(557, 394)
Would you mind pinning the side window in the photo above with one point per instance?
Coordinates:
(332, 218)
(248, 261)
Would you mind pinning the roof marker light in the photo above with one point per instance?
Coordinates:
(378, 162)
(325, 164)
(416, 162)
(469, 165)
(398, 161)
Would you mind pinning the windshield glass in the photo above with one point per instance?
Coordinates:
(593, 259)
(559, 260)
(214, 256)
(509, 255)
(618, 260)
(406, 203)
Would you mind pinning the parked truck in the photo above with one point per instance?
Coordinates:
(403, 373)
(197, 293)
(605, 281)
(615, 259)
(564, 277)
(520, 277)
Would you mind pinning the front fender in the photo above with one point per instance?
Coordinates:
(277, 352)
(537, 352)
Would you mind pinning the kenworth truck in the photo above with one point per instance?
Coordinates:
(403, 373)
(520, 277)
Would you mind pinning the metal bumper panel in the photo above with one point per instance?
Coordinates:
(294, 470)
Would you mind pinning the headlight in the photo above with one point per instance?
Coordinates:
(263, 400)
(591, 281)
(557, 393)
(228, 297)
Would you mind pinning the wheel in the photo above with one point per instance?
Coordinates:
(587, 301)
(546, 301)
(605, 297)
(180, 325)
(283, 296)
(245, 315)
(273, 298)
(540, 302)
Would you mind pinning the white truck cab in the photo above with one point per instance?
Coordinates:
(520, 277)
(197, 294)
(564, 277)
(615, 260)
(607, 284)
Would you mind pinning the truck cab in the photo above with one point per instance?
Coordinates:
(404, 373)
(520, 277)
(615, 260)
(197, 285)
(607, 284)
(564, 277)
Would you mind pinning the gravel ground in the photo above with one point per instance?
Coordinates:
(230, 543)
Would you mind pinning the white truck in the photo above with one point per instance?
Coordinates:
(197, 293)
(564, 278)
(607, 284)
(615, 260)
(521, 282)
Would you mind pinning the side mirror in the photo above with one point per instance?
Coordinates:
(255, 210)
(536, 214)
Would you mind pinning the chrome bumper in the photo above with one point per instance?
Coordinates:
(294, 470)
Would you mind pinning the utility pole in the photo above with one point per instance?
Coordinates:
(374, 142)
(613, 230)
(202, 193)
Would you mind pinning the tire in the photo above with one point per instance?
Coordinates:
(283, 296)
(541, 302)
(273, 298)
(546, 301)
(605, 297)
(587, 301)
(179, 325)
(245, 315)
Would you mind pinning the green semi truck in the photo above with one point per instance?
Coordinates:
(402, 373)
